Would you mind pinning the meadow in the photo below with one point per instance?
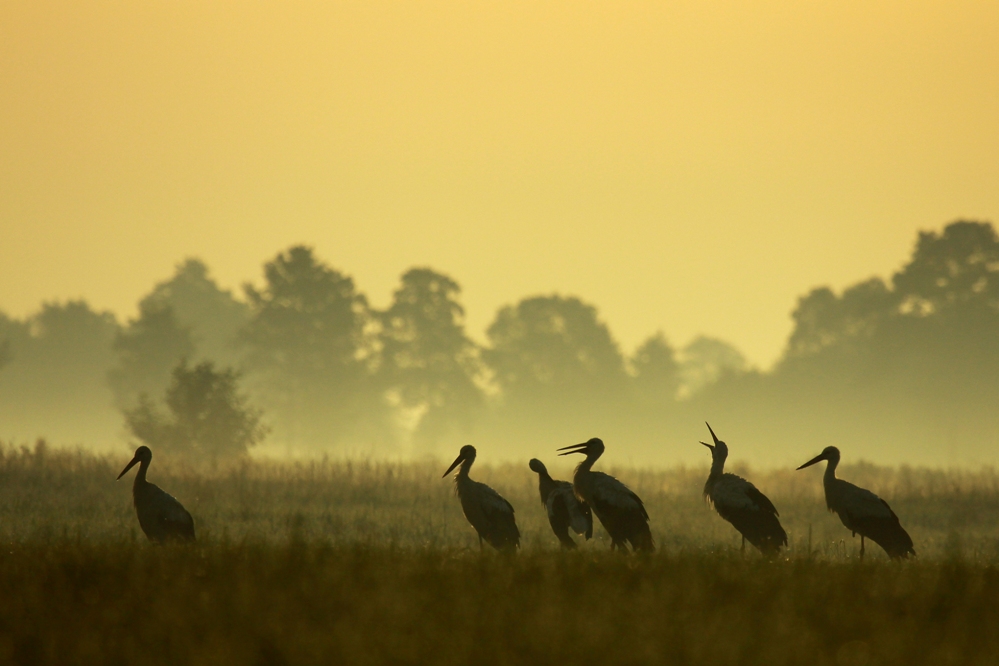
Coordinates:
(372, 562)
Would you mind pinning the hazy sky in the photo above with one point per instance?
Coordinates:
(691, 167)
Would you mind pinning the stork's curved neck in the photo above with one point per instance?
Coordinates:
(591, 458)
(546, 484)
(717, 467)
(830, 474)
(466, 465)
(140, 477)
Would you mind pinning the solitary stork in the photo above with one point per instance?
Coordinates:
(564, 510)
(740, 503)
(161, 517)
(487, 511)
(861, 511)
(620, 511)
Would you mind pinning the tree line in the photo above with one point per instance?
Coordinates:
(904, 365)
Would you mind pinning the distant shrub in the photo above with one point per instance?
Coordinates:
(208, 418)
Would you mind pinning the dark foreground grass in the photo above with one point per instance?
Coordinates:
(81, 602)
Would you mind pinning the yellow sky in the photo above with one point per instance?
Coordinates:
(691, 167)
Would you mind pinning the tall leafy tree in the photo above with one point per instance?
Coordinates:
(211, 314)
(955, 268)
(54, 384)
(656, 371)
(705, 360)
(823, 319)
(148, 349)
(553, 348)
(309, 352)
(427, 359)
(185, 317)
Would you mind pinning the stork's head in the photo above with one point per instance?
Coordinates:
(592, 448)
(537, 466)
(719, 451)
(830, 453)
(467, 453)
(142, 455)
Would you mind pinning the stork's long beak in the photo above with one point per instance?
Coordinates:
(128, 467)
(574, 448)
(709, 446)
(713, 435)
(457, 461)
(813, 461)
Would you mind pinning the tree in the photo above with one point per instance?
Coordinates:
(148, 350)
(211, 315)
(959, 267)
(656, 371)
(9, 330)
(705, 360)
(553, 348)
(54, 384)
(426, 357)
(309, 350)
(208, 419)
(822, 319)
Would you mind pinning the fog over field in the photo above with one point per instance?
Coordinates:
(895, 372)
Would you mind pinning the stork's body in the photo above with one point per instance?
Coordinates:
(740, 503)
(486, 510)
(861, 511)
(565, 510)
(620, 510)
(161, 517)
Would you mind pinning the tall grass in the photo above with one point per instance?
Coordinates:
(373, 563)
(46, 494)
(71, 602)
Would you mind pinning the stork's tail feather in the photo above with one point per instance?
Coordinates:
(643, 541)
(890, 535)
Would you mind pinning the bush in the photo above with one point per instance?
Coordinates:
(209, 419)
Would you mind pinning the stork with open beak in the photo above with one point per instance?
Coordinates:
(564, 508)
(620, 510)
(486, 510)
(161, 517)
(740, 503)
(861, 511)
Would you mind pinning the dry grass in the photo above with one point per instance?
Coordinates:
(340, 562)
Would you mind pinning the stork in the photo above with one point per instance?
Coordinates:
(487, 511)
(740, 503)
(161, 517)
(861, 511)
(564, 510)
(620, 510)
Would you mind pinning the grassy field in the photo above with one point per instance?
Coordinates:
(347, 562)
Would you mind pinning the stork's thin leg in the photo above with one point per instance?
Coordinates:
(861, 546)
(743, 549)
(481, 547)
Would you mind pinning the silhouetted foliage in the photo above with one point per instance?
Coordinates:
(148, 350)
(656, 371)
(553, 347)
(909, 369)
(959, 267)
(54, 383)
(705, 360)
(185, 317)
(211, 314)
(823, 319)
(899, 367)
(309, 353)
(7, 329)
(208, 419)
(427, 359)
(558, 372)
